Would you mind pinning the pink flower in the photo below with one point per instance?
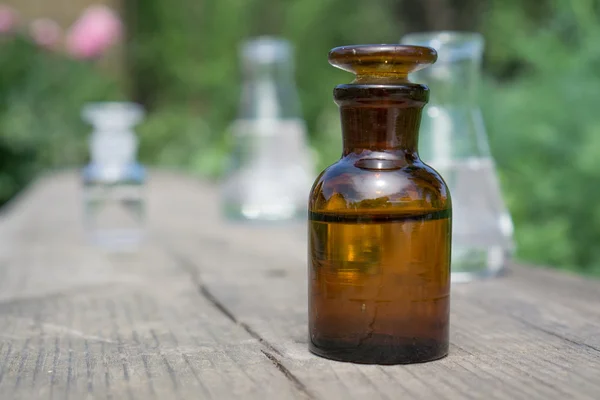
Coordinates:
(94, 32)
(45, 33)
(9, 19)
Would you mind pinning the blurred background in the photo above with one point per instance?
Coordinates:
(180, 60)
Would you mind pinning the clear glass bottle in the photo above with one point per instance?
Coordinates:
(113, 181)
(270, 170)
(380, 221)
(454, 142)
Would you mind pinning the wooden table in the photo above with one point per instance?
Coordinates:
(209, 310)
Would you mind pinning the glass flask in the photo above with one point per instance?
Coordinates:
(379, 221)
(454, 142)
(270, 168)
(113, 181)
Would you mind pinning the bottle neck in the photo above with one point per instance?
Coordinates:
(381, 118)
(389, 129)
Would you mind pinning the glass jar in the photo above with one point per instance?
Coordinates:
(113, 181)
(454, 141)
(270, 169)
(380, 221)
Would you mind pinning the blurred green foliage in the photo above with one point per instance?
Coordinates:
(41, 94)
(184, 59)
(541, 108)
(539, 96)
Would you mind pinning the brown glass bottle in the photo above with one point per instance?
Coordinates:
(380, 221)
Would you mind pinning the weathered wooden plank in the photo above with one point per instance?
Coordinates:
(76, 322)
(569, 315)
(131, 339)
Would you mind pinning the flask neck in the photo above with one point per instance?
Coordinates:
(268, 89)
(269, 92)
(453, 84)
(454, 78)
(381, 118)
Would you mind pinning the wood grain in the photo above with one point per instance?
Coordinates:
(208, 309)
(76, 322)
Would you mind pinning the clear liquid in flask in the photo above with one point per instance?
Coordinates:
(482, 227)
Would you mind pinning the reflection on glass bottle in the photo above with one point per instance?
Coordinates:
(113, 180)
(270, 166)
(454, 142)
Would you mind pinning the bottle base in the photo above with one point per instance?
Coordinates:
(265, 214)
(120, 241)
(477, 263)
(465, 277)
(383, 350)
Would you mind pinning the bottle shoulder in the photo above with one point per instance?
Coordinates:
(349, 187)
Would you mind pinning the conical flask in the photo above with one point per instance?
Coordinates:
(455, 143)
(270, 169)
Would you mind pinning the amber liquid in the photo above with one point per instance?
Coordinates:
(379, 286)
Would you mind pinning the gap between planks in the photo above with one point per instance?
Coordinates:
(191, 268)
